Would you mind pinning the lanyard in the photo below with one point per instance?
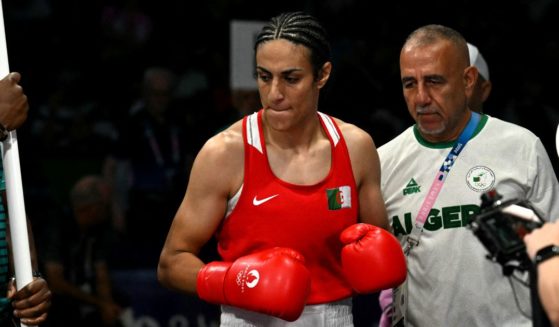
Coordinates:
(154, 145)
(440, 177)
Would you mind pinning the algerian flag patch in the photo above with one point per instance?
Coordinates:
(339, 198)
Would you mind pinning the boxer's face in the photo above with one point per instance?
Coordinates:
(288, 89)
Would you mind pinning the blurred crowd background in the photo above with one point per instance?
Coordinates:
(129, 90)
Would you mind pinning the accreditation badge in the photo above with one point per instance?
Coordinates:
(400, 301)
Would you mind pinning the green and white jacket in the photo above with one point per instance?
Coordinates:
(450, 280)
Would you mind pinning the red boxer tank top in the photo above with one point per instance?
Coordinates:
(308, 218)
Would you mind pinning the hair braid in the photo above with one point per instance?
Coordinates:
(298, 28)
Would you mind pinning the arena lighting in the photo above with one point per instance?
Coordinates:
(14, 190)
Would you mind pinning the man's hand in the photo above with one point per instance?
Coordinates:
(548, 234)
(13, 102)
(32, 302)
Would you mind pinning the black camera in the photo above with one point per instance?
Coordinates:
(501, 227)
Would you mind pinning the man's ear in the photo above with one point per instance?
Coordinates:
(324, 74)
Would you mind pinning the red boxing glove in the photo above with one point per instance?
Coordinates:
(274, 282)
(372, 259)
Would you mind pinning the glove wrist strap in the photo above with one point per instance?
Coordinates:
(209, 283)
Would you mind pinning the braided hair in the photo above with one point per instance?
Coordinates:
(298, 28)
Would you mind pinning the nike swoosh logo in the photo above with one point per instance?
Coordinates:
(257, 202)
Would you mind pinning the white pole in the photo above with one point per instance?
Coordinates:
(14, 189)
(557, 140)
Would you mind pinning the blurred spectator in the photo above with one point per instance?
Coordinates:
(150, 166)
(245, 102)
(76, 260)
(70, 124)
(126, 26)
(483, 85)
(358, 92)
